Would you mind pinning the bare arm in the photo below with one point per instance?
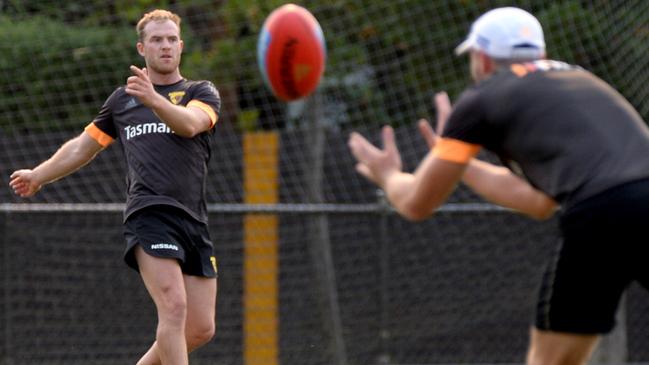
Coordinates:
(415, 196)
(73, 155)
(184, 121)
(500, 186)
(496, 184)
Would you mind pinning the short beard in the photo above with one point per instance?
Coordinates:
(163, 70)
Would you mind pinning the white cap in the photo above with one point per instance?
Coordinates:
(506, 33)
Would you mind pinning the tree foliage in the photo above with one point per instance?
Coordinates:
(385, 60)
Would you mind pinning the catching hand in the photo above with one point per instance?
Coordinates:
(373, 163)
(443, 106)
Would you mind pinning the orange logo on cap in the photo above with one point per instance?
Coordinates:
(526, 32)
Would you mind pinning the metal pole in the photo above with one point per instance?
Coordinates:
(384, 357)
(320, 243)
(5, 322)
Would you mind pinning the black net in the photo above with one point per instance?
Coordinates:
(353, 288)
(459, 288)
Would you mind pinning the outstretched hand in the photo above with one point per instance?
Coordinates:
(376, 164)
(140, 86)
(24, 184)
(443, 106)
(373, 163)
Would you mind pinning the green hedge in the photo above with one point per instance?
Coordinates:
(56, 73)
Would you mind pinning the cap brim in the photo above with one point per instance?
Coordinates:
(463, 47)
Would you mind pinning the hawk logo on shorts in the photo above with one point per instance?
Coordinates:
(176, 96)
(213, 260)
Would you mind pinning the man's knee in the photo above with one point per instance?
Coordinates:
(546, 358)
(553, 348)
(173, 308)
(200, 334)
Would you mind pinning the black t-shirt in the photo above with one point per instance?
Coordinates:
(568, 132)
(163, 168)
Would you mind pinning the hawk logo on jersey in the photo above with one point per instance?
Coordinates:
(176, 96)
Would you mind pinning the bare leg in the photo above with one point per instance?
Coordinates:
(164, 281)
(557, 348)
(201, 307)
(201, 304)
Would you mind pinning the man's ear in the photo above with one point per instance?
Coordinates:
(487, 64)
(140, 48)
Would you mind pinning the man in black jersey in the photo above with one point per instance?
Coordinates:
(565, 138)
(164, 123)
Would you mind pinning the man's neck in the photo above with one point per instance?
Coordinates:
(165, 79)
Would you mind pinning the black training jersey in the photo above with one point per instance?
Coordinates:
(568, 132)
(163, 168)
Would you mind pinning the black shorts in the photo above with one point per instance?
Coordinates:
(169, 232)
(604, 248)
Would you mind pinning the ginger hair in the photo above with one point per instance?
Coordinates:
(155, 16)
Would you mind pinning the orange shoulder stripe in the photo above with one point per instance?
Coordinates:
(98, 135)
(206, 108)
(454, 150)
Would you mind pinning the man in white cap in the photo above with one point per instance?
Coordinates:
(566, 139)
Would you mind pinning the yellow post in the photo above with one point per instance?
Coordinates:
(261, 262)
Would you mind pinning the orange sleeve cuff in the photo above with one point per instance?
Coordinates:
(98, 135)
(454, 150)
(206, 108)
